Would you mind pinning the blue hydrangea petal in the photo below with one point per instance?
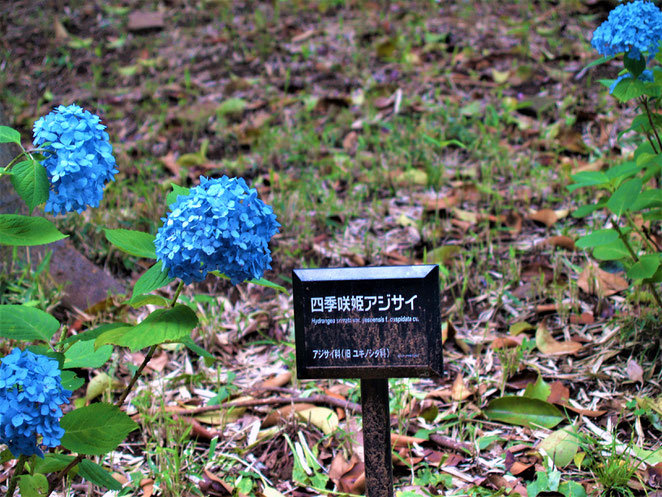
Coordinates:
(79, 159)
(221, 225)
(31, 393)
(633, 28)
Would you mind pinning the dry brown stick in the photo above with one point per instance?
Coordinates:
(449, 443)
(313, 399)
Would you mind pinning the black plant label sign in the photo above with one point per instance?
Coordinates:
(371, 322)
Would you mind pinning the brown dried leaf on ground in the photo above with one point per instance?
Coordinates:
(549, 346)
(595, 281)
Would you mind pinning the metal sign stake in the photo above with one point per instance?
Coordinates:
(377, 438)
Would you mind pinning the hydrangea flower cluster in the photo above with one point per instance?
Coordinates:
(79, 158)
(633, 28)
(220, 225)
(31, 394)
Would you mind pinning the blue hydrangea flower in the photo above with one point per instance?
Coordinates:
(220, 225)
(31, 394)
(645, 76)
(633, 28)
(79, 158)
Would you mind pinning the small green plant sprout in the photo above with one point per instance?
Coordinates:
(219, 227)
(629, 193)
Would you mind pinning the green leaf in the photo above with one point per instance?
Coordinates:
(70, 381)
(261, 282)
(636, 67)
(52, 463)
(523, 411)
(82, 354)
(538, 390)
(20, 322)
(143, 300)
(597, 238)
(231, 106)
(94, 473)
(94, 333)
(153, 279)
(586, 210)
(572, 489)
(30, 180)
(623, 170)
(33, 485)
(17, 230)
(613, 251)
(588, 178)
(194, 347)
(9, 135)
(648, 199)
(95, 429)
(645, 267)
(132, 242)
(625, 196)
(175, 193)
(628, 89)
(161, 326)
(561, 445)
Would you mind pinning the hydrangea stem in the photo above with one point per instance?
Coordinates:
(651, 285)
(120, 401)
(644, 102)
(18, 471)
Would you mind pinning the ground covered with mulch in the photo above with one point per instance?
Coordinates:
(412, 132)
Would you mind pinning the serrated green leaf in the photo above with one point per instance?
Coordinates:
(645, 267)
(597, 238)
(132, 242)
(52, 463)
(95, 429)
(93, 333)
(94, 473)
(153, 279)
(523, 411)
(9, 135)
(18, 231)
(623, 170)
(30, 180)
(161, 326)
(625, 196)
(20, 322)
(82, 354)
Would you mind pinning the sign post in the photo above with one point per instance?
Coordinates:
(371, 323)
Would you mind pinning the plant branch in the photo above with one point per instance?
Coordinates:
(18, 471)
(651, 285)
(644, 101)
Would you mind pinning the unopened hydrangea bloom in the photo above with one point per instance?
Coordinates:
(220, 225)
(79, 158)
(31, 394)
(632, 28)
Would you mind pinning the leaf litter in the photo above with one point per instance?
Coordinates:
(227, 76)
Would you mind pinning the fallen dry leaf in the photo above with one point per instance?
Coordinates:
(560, 241)
(549, 346)
(634, 371)
(548, 216)
(595, 281)
(459, 391)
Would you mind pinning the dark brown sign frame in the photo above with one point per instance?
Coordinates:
(368, 322)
